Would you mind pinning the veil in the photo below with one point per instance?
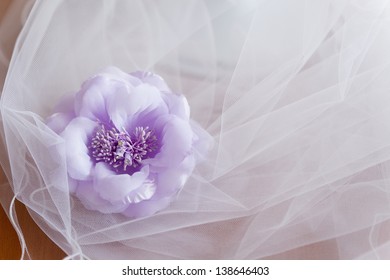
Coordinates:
(296, 95)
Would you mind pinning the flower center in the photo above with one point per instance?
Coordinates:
(120, 149)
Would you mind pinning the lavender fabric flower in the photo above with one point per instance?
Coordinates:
(130, 144)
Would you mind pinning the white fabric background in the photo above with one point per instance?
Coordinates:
(295, 94)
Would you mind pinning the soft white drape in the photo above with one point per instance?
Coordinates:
(295, 93)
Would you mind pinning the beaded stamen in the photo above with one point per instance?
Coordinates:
(122, 149)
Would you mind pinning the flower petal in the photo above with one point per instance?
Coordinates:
(58, 121)
(178, 105)
(75, 135)
(72, 183)
(176, 142)
(116, 74)
(147, 207)
(152, 79)
(92, 97)
(92, 201)
(64, 114)
(125, 104)
(144, 192)
(90, 100)
(148, 96)
(120, 106)
(116, 187)
(66, 105)
(170, 181)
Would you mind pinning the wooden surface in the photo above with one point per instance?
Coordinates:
(40, 246)
(3, 7)
(9, 243)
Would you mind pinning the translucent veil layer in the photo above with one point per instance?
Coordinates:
(295, 93)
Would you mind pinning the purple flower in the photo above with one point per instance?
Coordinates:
(130, 144)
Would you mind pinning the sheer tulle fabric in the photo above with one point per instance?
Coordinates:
(296, 95)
